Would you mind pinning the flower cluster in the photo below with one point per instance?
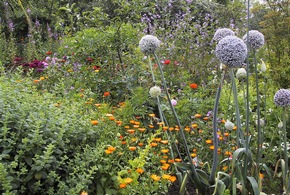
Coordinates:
(241, 73)
(155, 91)
(37, 65)
(221, 33)
(148, 44)
(256, 39)
(231, 51)
(282, 98)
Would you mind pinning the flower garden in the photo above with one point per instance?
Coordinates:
(131, 97)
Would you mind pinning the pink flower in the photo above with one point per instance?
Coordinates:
(173, 102)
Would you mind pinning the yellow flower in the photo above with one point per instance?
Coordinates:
(165, 151)
(128, 180)
(41, 78)
(140, 170)
(84, 193)
(166, 176)
(155, 177)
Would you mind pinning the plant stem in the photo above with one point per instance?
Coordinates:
(215, 138)
(259, 147)
(285, 148)
(195, 175)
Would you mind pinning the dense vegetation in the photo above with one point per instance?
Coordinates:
(76, 115)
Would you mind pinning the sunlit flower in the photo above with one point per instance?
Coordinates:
(193, 86)
(84, 193)
(231, 51)
(282, 98)
(94, 122)
(122, 185)
(164, 151)
(208, 141)
(172, 178)
(155, 177)
(148, 44)
(128, 180)
(140, 170)
(155, 91)
(106, 94)
(229, 125)
(222, 32)
(167, 62)
(241, 73)
(132, 148)
(166, 176)
(256, 39)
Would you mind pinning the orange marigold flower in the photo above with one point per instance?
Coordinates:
(131, 131)
(211, 147)
(36, 81)
(172, 178)
(106, 94)
(166, 176)
(157, 139)
(193, 86)
(123, 142)
(151, 126)
(170, 161)
(128, 180)
(165, 166)
(122, 185)
(165, 128)
(193, 155)
(132, 148)
(119, 123)
(194, 125)
(164, 141)
(108, 151)
(165, 157)
(177, 160)
(205, 118)
(235, 128)
(223, 121)
(187, 129)
(84, 193)
(153, 144)
(141, 129)
(163, 161)
(164, 151)
(155, 177)
(197, 115)
(228, 153)
(140, 170)
(226, 134)
(208, 141)
(152, 115)
(171, 128)
(140, 144)
(261, 176)
(94, 122)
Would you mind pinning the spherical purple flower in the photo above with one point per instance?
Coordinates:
(222, 32)
(173, 102)
(148, 44)
(231, 51)
(282, 97)
(256, 39)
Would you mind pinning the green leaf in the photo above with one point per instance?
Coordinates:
(254, 185)
(183, 184)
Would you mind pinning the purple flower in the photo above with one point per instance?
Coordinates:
(256, 39)
(282, 98)
(222, 33)
(231, 51)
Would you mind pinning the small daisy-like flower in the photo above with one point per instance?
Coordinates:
(155, 91)
(222, 32)
(148, 44)
(229, 125)
(256, 39)
(231, 51)
(241, 73)
(282, 97)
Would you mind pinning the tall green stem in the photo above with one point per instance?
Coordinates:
(195, 175)
(259, 147)
(285, 148)
(215, 138)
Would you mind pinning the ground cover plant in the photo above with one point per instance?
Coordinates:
(121, 97)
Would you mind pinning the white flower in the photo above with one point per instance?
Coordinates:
(262, 122)
(280, 125)
(241, 73)
(148, 44)
(229, 125)
(263, 67)
(173, 102)
(155, 91)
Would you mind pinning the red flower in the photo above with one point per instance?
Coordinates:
(106, 94)
(193, 86)
(89, 59)
(167, 62)
(49, 53)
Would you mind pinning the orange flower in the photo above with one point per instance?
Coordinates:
(193, 155)
(164, 141)
(208, 141)
(84, 193)
(226, 134)
(165, 166)
(165, 128)
(235, 128)
(228, 153)
(98, 105)
(127, 127)
(111, 148)
(211, 147)
(132, 148)
(223, 121)
(155, 177)
(261, 176)
(200, 131)
(170, 161)
(194, 125)
(36, 81)
(151, 126)
(49, 53)
(193, 86)
(166, 176)
(140, 144)
(108, 151)
(163, 161)
(187, 129)
(140, 170)
(94, 122)
(141, 129)
(178, 160)
(153, 144)
(123, 142)
(172, 178)
(106, 94)
(171, 128)
(197, 115)
(128, 180)
(151, 115)
(122, 185)
(164, 151)
(158, 139)
(119, 123)
(131, 131)
(205, 118)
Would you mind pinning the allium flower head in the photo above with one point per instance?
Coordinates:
(241, 73)
(282, 97)
(221, 33)
(148, 44)
(256, 39)
(231, 51)
(229, 125)
(155, 91)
